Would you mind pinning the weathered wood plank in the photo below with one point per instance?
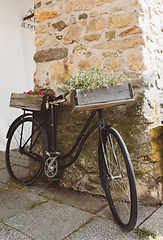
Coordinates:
(102, 97)
(26, 101)
(103, 105)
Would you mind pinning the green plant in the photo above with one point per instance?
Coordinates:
(143, 232)
(11, 184)
(158, 237)
(35, 204)
(91, 78)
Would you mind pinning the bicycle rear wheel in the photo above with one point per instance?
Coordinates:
(117, 178)
(25, 151)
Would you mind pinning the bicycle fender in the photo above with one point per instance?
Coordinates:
(15, 121)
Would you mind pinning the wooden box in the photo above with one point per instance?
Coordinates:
(26, 101)
(115, 95)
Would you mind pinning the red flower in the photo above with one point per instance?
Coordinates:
(34, 92)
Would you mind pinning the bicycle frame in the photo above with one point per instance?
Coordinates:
(84, 134)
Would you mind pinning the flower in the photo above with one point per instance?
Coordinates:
(34, 92)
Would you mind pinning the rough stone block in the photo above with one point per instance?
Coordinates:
(40, 40)
(131, 31)
(92, 37)
(80, 47)
(121, 44)
(83, 5)
(110, 34)
(123, 20)
(96, 25)
(44, 14)
(114, 63)
(73, 34)
(83, 16)
(61, 70)
(135, 61)
(50, 54)
(59, 25)
(88, 62)
(41, 28)
(101, 2)
(79, 5)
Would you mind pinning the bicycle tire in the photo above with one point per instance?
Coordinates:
(120, 185)
(25, 161)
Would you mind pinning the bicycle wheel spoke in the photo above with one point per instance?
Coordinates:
(113, 157)
(32, 138)
(25, 162)
(120, 187)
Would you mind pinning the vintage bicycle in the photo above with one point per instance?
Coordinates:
(29, 153)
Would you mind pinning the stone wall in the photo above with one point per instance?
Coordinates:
(76, 34)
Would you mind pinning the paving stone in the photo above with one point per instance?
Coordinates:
(50, 221)
(7, 233)
(106, 213)
(80, 200)
(144, 212)
(2, 155)
(39, 187)
(2, 185)
(101, 229)
(2, 164)
(4, 177)
(14, 201)
(155, 222)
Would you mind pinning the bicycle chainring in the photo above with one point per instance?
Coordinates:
(51, 167)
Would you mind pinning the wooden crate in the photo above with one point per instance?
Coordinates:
(26, 101)
(115, 95)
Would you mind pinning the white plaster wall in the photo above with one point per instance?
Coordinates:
(16, 59)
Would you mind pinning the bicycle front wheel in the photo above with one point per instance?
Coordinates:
(117, 178)
(25, 151)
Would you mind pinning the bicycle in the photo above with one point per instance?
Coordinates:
(28, 154)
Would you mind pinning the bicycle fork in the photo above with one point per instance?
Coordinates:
(101, 128)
